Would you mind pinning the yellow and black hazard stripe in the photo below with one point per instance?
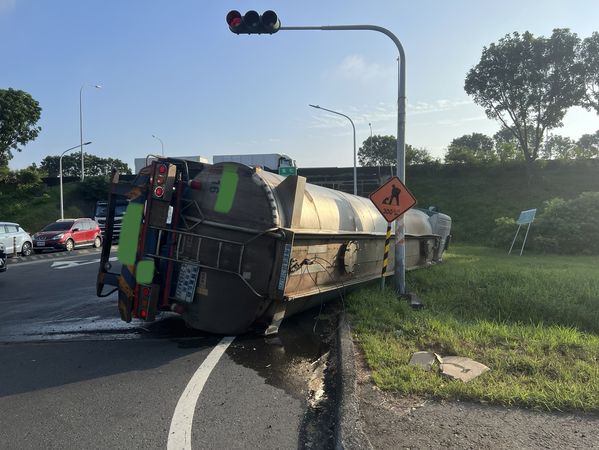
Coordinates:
(386, 255)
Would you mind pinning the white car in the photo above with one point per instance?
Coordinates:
(15, 239)
(2, 259)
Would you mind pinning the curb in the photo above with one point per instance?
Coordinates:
(10, 260)
(349, 433)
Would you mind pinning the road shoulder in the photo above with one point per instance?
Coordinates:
(390, 420)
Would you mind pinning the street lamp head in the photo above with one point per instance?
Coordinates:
(315, 106)
(87, 143)
(98, 86)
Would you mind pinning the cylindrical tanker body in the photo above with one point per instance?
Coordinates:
(261, 247)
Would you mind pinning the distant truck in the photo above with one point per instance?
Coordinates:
(119, 212)
(273, 162)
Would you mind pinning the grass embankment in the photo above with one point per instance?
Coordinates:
(534, 320)
(475, 196)
(34, 211)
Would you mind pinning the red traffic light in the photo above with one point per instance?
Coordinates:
(253, 23)
(234, 20)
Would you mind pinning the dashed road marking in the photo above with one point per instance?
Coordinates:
(179, 435)
(70, 264)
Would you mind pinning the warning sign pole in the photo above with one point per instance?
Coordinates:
(386, 256)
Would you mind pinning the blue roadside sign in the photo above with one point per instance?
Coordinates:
(526, 216)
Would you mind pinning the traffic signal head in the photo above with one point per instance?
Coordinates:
(253, 23)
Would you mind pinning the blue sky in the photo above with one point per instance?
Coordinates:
(173, 69)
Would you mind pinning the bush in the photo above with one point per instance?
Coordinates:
(504, 231)
(570, 226)
(563, 226)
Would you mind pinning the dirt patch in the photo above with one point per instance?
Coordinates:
(393, 421)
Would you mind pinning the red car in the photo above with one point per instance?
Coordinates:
(67, 234)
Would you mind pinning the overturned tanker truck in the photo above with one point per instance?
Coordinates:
(230, 247)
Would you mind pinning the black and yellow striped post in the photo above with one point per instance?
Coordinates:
(386, 256)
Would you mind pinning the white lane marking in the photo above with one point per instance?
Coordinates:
(69, 264)
(179, 435)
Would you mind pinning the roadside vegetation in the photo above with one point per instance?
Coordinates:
(534, 320)
(35, 205)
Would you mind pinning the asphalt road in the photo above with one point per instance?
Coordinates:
(74, 376)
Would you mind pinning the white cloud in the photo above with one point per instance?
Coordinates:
(355, 67)
(384, 114)
(436, 106)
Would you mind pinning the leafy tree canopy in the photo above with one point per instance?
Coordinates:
(507, 146)
(562, 147)
(470, 149)
(527, 83)
(588, 145)
(19, 114)
(71, 165)
(559, 147)
(589, 55)
(382, 151)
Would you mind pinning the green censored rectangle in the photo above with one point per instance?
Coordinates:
(144, 272)
(227, 190)
(130, 233)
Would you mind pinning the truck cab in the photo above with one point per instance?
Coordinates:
(119, 212)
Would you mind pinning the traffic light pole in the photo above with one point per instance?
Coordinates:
(400, 252)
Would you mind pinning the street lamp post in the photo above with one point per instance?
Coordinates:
(370, 125)
(60, 174)
(97, 86)
(354, 128)
(161, 143)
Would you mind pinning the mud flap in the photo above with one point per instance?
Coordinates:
(277, 318)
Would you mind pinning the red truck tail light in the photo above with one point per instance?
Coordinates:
(147, 301)
(163, 180)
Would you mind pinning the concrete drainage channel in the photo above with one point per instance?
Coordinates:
(11, 259)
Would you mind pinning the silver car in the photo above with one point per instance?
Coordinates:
(2, 258)
(15, 239)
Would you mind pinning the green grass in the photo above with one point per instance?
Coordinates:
(534, 320)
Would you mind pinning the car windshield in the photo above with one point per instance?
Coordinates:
(119, 210)
(59, 226)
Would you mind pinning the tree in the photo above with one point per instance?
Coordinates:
(382, 151)
(19, 114)
(471, 149)
(416, 155)
(507, 146)
(589, 56)
(559, 147)
(527, 83)
(588, 145)
(71, 165)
